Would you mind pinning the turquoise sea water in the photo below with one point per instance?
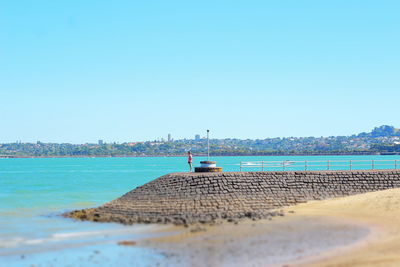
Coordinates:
(33, 192)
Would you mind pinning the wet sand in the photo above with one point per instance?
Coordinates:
(259, 243)
(379, 211)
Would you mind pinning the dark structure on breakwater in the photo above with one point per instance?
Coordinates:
(185, 198)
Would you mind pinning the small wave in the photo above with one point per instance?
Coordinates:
(34, 241)
(6, 243)
(59, 237)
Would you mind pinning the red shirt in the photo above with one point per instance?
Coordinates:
(190, 158)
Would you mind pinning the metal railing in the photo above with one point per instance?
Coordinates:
(319, 165)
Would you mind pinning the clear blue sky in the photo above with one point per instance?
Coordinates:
(78, 71)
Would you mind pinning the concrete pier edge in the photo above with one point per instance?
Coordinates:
(186, 198)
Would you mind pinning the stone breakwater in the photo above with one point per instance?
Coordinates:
(185, 198)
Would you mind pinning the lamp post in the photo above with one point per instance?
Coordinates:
(208, 166)
(208, 145)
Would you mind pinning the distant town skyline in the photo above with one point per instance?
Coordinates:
(79, 71)
(383, 140)
(198, 137)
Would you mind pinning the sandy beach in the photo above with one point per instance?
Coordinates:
(360, 230)
(379, 211)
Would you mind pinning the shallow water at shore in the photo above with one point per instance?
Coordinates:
(34, 192)
(248, 243)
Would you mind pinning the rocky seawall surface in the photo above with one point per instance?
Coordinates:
(186, 198)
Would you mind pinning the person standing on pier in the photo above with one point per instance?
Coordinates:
(190, 160)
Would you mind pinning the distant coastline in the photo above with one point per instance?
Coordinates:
(383, 140)
(200, 155)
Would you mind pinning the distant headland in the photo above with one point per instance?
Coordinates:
(383, 140)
